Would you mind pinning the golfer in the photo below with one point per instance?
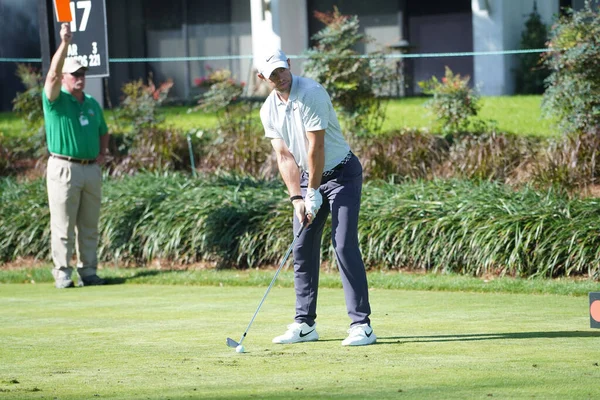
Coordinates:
(322, 177)
(77, 138)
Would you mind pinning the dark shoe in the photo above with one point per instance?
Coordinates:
(63, 283)
(92, 280)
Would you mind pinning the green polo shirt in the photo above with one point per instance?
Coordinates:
(73, 129)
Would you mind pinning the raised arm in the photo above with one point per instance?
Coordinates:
(54, 77)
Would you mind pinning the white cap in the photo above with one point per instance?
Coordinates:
(271, 62)
(71, 65)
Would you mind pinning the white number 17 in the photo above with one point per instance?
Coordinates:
(86, 5)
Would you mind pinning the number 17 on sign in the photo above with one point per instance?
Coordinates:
(66, 11)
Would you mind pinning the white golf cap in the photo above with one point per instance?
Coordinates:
(272, 61)
(72, 65)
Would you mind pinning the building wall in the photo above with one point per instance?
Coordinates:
(441, 33)
(229, 34)
(498, 25)
(142, 28)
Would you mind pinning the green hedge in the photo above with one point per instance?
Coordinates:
(459, 226)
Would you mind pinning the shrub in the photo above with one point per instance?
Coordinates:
(453, 102)
(140, 103)
(28, 106)
(5, 155)
(573, 93)
(238, 144)
(491, 157)
(571, 163)
(354, 83)
(147, 145)
(530, 73)
(401, 156)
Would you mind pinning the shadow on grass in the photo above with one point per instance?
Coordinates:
(487, 336)
(137, 275)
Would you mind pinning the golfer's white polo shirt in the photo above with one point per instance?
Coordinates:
(308, 108)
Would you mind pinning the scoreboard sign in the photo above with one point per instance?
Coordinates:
(89, 44)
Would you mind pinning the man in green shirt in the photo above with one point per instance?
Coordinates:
(77, 138)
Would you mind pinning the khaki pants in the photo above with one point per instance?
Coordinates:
(74, 195)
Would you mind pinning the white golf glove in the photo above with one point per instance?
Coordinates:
(313, 201)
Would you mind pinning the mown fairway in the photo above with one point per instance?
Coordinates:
(140, 341)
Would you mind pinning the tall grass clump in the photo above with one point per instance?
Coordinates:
(25, 227)
(232, 221)
(174, 219)
(475, 229)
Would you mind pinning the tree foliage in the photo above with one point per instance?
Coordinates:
(573, 94)
(531, 71)
(355, 83)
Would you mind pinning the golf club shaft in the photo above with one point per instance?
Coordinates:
(285, 257)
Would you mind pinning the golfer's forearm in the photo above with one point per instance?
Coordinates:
(53, 79)
(290, 175)
(316, 161)
(316, 158)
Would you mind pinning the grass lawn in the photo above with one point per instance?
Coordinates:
(516, 114)
(167, 341)
(10, 124)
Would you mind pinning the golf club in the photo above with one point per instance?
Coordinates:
(233, 343)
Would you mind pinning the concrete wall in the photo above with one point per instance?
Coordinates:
(277, 24)
(233, 38)
(498, 25)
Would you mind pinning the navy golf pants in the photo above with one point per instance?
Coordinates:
(341, 198)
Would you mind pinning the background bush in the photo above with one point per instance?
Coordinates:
(454, 102)
(356, 84)
(238, 143)
(531, 72)
(573, 93)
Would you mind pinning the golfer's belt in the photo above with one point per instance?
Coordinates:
(340, 165)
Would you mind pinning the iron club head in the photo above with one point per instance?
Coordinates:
(233, 343)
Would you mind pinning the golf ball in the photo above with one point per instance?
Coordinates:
(240, 349)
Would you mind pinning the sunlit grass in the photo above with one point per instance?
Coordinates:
(520, 115)
(515, 114)
(153, 341)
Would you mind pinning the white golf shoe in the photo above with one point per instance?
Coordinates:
(360, 335)
(297, 333)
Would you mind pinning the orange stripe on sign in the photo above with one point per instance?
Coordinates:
(595, 310)
(63, 10)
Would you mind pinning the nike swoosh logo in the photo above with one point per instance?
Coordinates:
(369, 334)
(302, 334)
(269, 59)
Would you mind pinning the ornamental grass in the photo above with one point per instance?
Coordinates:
(232, 221)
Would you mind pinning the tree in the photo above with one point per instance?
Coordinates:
(531, 71)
